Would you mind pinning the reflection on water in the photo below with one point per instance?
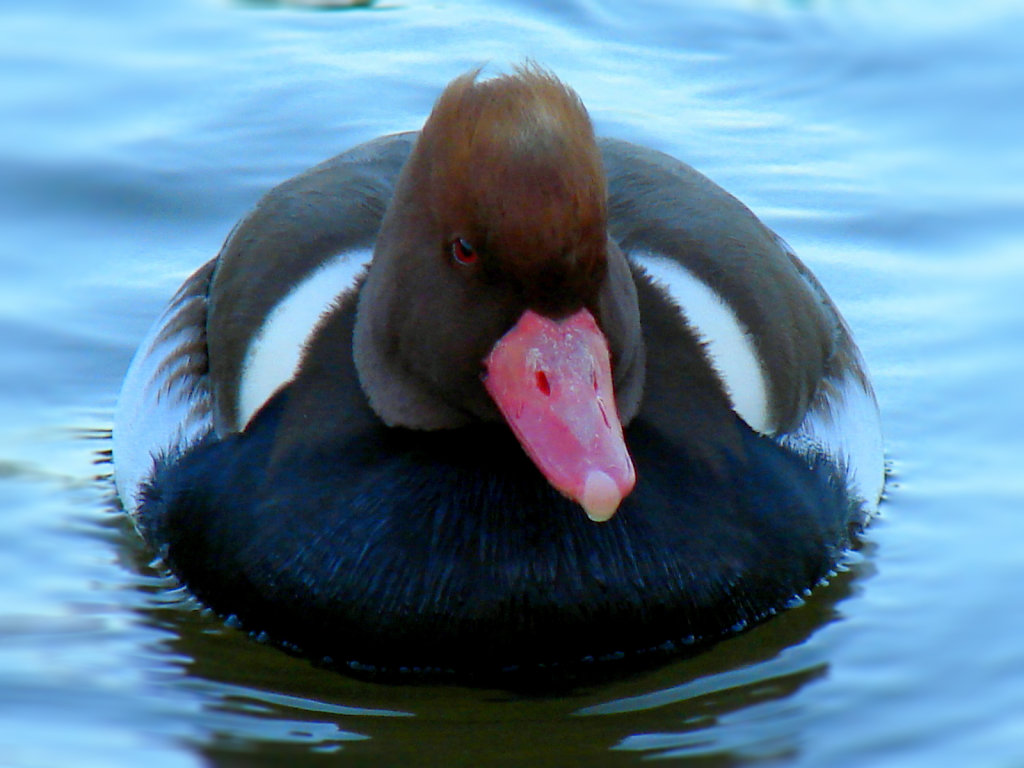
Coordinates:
(883, 143)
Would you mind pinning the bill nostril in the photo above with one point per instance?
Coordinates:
(543, 384)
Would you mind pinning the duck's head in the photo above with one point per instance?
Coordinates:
(495, 292)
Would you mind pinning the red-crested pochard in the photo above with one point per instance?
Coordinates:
(581, 405)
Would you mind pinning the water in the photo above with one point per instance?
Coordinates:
(884, 146)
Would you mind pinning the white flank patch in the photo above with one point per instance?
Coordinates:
(728, 342)
(846, 427)
(275, 351)
(157, 411)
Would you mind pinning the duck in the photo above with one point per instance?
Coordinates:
(499, 395)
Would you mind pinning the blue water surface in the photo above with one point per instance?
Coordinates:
(885, 145)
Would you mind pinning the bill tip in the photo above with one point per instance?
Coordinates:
(601, 496)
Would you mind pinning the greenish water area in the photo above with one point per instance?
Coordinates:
(885, 145)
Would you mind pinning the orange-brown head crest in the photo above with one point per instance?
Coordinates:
(512, 164)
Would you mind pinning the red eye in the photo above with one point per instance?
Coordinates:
(463, 252)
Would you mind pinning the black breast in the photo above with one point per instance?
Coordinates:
(393, 549)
